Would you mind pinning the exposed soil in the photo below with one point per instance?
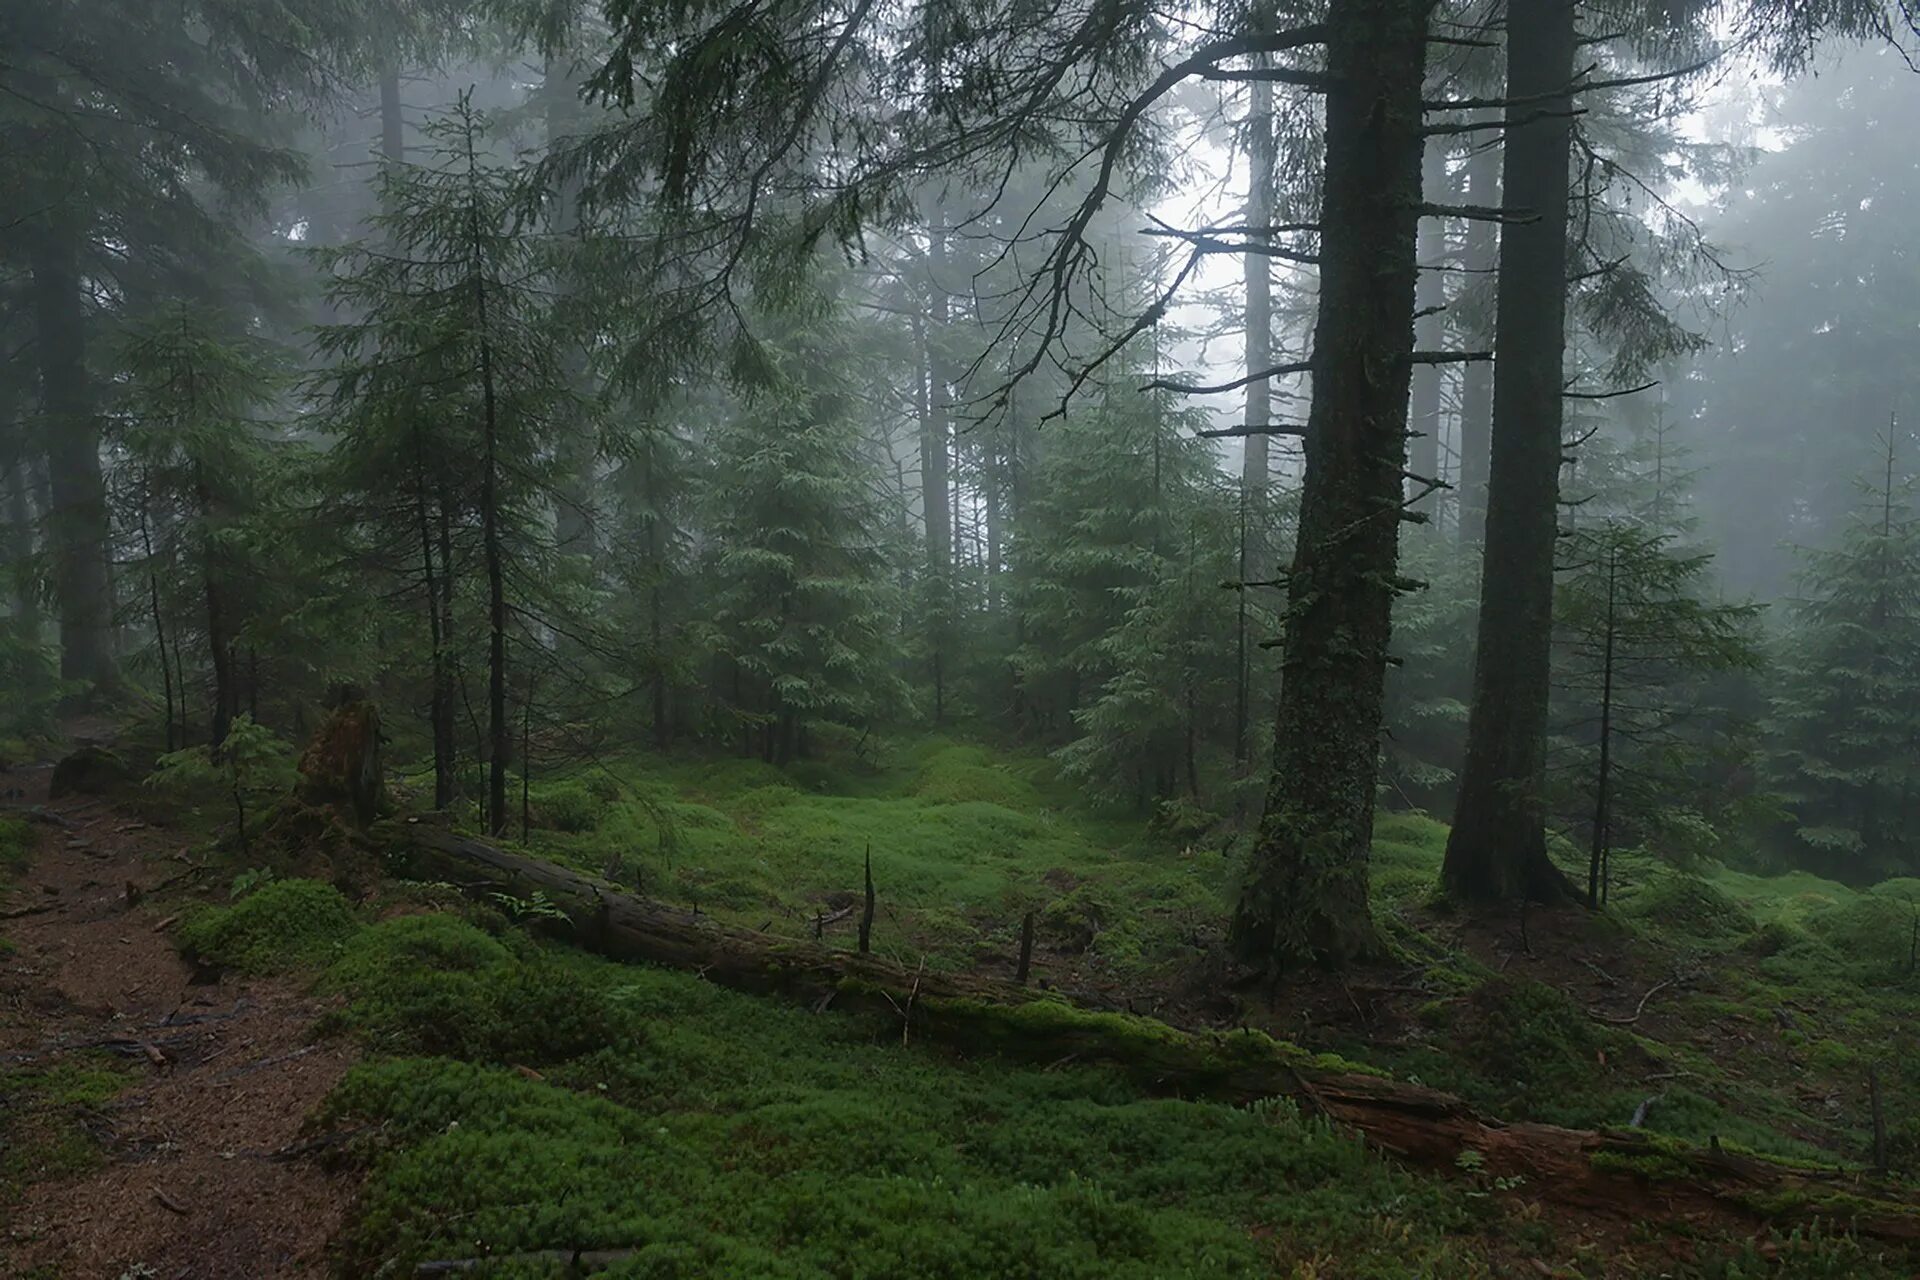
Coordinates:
(202, 1176)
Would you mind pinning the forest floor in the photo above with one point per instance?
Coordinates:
(147, 1113)
(369, 1084)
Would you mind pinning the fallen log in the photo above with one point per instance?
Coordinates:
(1617, 1172)
(577, 1262)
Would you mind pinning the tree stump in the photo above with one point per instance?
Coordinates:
(340, 769)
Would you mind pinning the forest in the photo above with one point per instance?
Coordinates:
(961, 639)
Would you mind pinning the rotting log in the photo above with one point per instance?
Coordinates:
(1617, 1172)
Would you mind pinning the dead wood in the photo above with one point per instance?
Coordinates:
(1619, 1172)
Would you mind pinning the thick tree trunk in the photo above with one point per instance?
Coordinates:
(976, 1014)
(77, 523)
(1429, 332)
(1479, 257)
(1305, 897)
(1498, 847)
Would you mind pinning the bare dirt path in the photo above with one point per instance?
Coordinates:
(199, 1174)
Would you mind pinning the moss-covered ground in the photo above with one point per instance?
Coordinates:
(519, 1096)
(1784, 994)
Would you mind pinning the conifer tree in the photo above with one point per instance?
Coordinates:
(194, 435)
(444, 389)
(1848, 713)
(800, 570)
(1637, 639)
(1120, 557)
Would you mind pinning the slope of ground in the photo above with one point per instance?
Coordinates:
(148, 1116)
(515, 1101)
(1766, 1012)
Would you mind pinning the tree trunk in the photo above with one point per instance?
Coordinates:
(1429, 333)
(393, 121)
(499, 731)
(1603, 780)
(574, 525)
(226, 688)
(77, 518)
(1305, 897)
(159, 622)
(1498, 846)
(16, 552)
(440, 714)
(1254, 551)
(1479, 257)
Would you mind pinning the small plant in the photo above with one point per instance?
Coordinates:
(248, 881)
(249, 763)
(522, 910)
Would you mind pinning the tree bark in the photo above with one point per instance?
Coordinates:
(1429, 333)
(1498, 846)
(1479, 257)
(77, 523)
(1305, 897)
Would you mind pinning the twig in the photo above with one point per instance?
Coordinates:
(170, 1204)
(1638, 1009)
(1600, 973)
(906, 1017)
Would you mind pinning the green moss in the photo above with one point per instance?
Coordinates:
(438, 985)
(42, 1110)
(287, 924)
(742, 1138)
(567, 806)
(1871, 933)
(1686, 904)
(1654, 1166)
(956, 775)
(16, 847)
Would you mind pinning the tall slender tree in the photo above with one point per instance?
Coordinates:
(1498, 846)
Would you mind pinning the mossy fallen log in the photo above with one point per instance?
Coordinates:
(1620, 1172)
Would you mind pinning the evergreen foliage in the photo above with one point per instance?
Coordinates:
(1848, 708)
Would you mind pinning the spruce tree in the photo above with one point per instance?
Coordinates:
(445, 389)
(194, 434)
(1847, 718)
(1638, 637)
(798, 561)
